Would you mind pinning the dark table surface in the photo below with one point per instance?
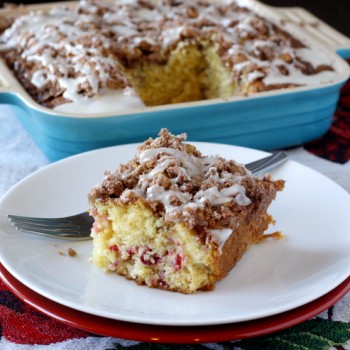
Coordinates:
(334, 12)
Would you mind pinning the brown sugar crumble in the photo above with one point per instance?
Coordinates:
(174, 219)
(213, 48)
(72, 252)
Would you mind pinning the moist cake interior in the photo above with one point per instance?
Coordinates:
(174, 219)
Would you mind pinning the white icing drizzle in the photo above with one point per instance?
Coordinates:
(298, 78)
(171, 35)
(217, 197)
(68, 63)
(148, 15)
(125, 31)
(189, 166)
(39, 78)
(110, 101)
(57, 43)
(315, 56)
(220, 236)
(158, 193)
(193, 165)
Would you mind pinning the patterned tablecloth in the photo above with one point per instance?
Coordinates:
(24, 328)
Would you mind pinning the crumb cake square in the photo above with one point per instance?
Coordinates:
(174, 219)
(108, 56)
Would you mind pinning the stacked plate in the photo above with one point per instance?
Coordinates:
(276, 285)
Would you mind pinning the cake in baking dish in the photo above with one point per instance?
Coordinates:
(174, 219)
(108, 55)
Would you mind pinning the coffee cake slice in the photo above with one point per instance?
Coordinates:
(174, 219)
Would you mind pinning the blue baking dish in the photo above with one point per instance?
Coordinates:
(266, 121)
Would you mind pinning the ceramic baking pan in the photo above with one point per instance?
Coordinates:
(265, 121)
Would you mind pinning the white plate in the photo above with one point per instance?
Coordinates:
(273, 277)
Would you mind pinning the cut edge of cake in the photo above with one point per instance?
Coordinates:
(151, 53)
(176, 220)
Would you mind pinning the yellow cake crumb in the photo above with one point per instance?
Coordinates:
(176, 220)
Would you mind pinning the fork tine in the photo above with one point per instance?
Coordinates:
(16, 218)
(74, 236)
(43, 223)
(74, 227)
(52, 229)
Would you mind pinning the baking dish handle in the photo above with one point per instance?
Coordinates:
(5, 94)
(10, 97)
(11, 91)
(317, 29)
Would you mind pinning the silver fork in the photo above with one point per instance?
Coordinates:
(78, 227)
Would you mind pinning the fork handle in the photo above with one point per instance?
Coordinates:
(268, 163)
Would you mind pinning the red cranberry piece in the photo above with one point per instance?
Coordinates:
(178, 262)
(149, 258)
(114, 248)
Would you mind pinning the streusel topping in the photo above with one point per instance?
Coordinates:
(176, 181)
(84, 49)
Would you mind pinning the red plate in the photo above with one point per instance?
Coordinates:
(175, 334)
